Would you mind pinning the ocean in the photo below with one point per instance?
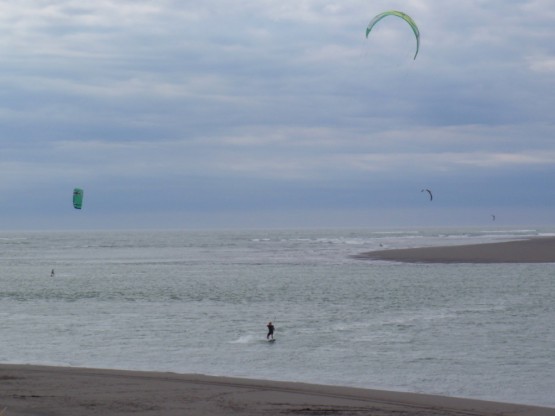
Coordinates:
(199, 301)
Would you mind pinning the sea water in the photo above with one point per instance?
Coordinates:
(199, 302)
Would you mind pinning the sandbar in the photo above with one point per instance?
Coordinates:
(30, 390)
(532, 250)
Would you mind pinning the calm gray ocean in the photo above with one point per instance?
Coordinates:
(199, 302)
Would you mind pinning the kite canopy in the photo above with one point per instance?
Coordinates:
(429, 192)
(403, 16)
(77, 198)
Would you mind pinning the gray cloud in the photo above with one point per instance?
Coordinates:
(288, 97)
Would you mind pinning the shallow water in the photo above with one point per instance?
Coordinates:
(199, 302)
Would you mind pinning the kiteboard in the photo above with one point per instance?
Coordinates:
(272, 340)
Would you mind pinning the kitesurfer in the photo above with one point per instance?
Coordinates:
(270, 331)
(52, 273)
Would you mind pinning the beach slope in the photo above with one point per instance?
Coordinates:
(44, 391)
(534, 250)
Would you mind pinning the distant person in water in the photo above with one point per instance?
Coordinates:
(270, 331)
(52, 273)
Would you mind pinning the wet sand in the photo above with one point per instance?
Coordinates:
(534, 250)
(47, 391)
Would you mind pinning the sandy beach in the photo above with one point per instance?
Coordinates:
(534, 250)
(47, 391)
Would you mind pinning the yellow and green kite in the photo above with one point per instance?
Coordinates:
(403, 16)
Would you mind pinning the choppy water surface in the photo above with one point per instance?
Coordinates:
(198, 302)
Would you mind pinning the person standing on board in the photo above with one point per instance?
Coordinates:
(270, 331)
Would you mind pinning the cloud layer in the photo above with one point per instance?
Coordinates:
(198, 112)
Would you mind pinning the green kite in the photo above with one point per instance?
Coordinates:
(77, 198)
(403, 16)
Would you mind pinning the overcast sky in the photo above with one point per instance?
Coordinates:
(276, 113)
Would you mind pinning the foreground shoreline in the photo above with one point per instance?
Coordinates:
(532, 250)
(43, 390)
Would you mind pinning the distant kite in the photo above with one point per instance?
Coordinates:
(429, 192)
(403, 16)
(492, 217)
(77, 198)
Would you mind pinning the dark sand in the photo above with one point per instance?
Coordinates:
(534, 250)
(48, 391)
